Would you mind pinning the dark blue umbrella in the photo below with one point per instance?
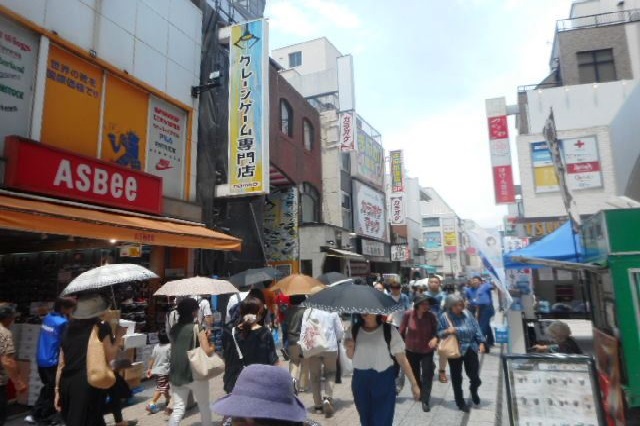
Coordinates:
(352, 298)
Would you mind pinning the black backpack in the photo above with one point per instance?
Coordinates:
(386, 330)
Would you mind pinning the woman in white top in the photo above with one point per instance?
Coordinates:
(373, 382)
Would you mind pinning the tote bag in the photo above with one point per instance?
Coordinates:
(99, 374)
(449, 347)
(312, 339)
(203, 366)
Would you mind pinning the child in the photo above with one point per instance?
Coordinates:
(159, 367)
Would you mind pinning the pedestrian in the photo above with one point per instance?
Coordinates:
(395, 319)
(247, 343)
(379, 286)
(119, 391)
(159, 367)
(419, 329)
(263, 395)
(373, 346)
(8, 365)
(180, 376)
(564, 344)
(435, 291)
(47, 357)
(79, 403)
(478, 295)
(323, 365)
(458, 321)
(293, 323)
(205, 315)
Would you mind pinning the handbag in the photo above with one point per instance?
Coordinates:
(99, 374)
(203, 366)
(449, 347)
(312, 339)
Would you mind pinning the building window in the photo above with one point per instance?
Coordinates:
(310, 203)
(286, 118)
(295, 59)
(596, 66)
(308, 135)
(347, 217)
(430, 222)
(346, 162)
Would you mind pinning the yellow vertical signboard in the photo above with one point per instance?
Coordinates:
(71, 117)
(124, 129)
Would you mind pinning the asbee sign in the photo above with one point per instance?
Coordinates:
(42, 169)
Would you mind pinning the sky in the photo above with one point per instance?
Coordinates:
(423, 69)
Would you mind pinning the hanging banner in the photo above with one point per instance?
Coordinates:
(18, 57)
(347, 131)
(397, 210)
(369, 212)
(504, 188)
(249, 109)
(397, 172)
(124, 134)
(166, 145)
(71, 117)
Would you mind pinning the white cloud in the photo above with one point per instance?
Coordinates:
(336, 14)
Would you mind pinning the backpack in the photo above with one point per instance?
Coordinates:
(386, 330)
(312, 339)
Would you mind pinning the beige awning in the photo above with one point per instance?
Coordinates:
(345, 253)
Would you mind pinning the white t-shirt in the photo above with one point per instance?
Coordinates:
(234, 300)
(329, 323)
(372, 352)
(161, 356)
(204, 310)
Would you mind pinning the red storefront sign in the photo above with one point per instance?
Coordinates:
(498, 128)
(39, 168)
(503, 184)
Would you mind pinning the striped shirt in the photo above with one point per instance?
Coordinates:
(467, 330)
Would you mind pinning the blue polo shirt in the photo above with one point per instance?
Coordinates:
(480, 295)
(50, 338)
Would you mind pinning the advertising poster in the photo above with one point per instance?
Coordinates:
(248, 109)
(369, 160)
(124, 134)
(582, 163)
(369, 212)
(609, 376)
(166, 145)
(397, 209)
(399, 253)
(397, 172)
(450, 242)
(347, 131)
(281, 226)
(71, 117)
(432, 240)
(18, 58)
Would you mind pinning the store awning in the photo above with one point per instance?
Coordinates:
(345, 253)
(49, 216)
(558, 264)
(560, 245)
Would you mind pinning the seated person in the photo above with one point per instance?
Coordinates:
(561, 335)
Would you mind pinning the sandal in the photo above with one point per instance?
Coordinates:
(442, 377)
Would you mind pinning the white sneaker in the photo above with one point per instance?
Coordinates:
(30, 419)
(327, 407)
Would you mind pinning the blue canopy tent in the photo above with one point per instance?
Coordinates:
(562, 246)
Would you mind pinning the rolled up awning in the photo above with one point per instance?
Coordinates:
(43, 215)
(345, 253)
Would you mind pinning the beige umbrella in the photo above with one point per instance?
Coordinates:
(196, 286)
(297, 284)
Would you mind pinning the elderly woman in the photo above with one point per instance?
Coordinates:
(456, 320)
(561, 334)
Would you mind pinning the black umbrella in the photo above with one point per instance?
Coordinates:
(254, 276)
(353, 298)
(331, 277)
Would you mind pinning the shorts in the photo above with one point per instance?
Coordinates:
(162, 383)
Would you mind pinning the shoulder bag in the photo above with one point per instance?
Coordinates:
(203, 366)
(99, 374)
(449, 347)
(312, 339)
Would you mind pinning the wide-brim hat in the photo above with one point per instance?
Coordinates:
(90, 306)
(262, 392)
(424, 298)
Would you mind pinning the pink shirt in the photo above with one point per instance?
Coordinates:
(417, 332)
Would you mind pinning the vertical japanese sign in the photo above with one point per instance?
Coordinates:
(347, 131)
(71, 117)
(124, 129)
(369, 212)
(166, 145)
(398, 213)
(397, 172)
(248, 109)
(504, 188)
(450, 235)
(18, 55)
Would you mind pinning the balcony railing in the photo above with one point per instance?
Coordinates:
(599, 20)
(529, 87)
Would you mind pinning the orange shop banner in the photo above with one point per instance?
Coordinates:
(71, 118)
(124, 130)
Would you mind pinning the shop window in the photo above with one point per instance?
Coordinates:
(430, 222)
(308, 135)
(596, 66)
(286, 118)
(295, 59)
(310, 203)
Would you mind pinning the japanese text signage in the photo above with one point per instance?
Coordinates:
(18, 55)
(397, 172)
(64, 174)
(369, 212)
(397, 209)
(399, 253)
(248, 109)
(347, 131)
(369, 160)
(166, 145)
(372, 248)
(500, 151)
